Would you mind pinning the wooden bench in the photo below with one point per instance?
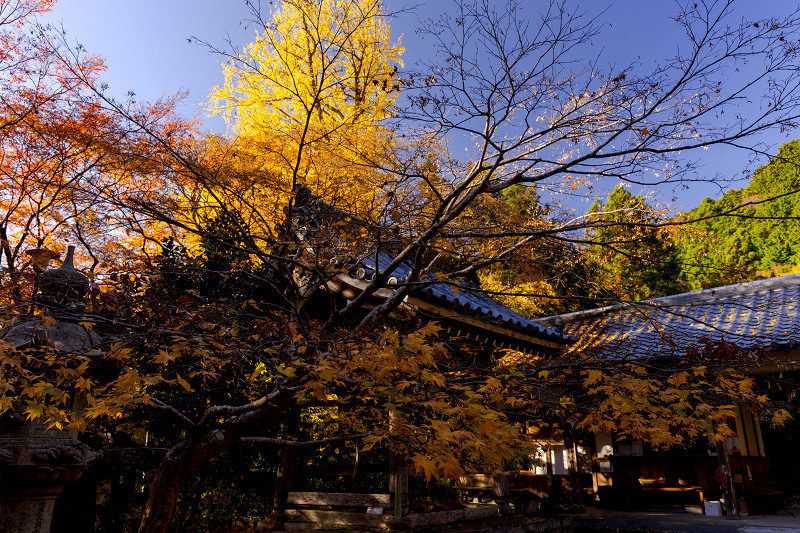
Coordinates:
(307, 510)
(339, 509)
(630, 493)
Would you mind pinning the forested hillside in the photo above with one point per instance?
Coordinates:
(759, 239)
(634, 251)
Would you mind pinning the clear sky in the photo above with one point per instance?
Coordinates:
(146, 44)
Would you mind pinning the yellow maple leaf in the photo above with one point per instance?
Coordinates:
(183, 383)
(594, 376)
(679, 378)
(780, 417)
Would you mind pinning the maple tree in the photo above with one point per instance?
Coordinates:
(219, 343)
(39, 164)
(64, 153)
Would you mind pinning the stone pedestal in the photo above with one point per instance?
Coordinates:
(35, 463)
(27, 511)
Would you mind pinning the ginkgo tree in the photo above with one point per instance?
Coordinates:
(311, 96)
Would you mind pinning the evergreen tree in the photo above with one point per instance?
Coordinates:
(630, 258)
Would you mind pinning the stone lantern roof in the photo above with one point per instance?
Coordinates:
(64, 286)
(63, 291)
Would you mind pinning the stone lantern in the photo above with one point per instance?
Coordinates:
(36, 462)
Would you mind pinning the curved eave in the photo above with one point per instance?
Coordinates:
(493, 327)
(516, 333)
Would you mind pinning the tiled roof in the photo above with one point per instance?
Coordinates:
(309, 213)
(468, 300)
(754, 314)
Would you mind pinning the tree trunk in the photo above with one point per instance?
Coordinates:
(174, 472)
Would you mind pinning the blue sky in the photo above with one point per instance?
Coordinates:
(147, 49)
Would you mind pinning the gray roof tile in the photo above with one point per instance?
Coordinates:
(464, 298)
(755, 314)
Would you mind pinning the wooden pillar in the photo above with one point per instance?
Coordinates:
(285, 473)
(398, 479)
(576, 464)
(730, 492)
(500, 489)
(398, 486)
(549, 467)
